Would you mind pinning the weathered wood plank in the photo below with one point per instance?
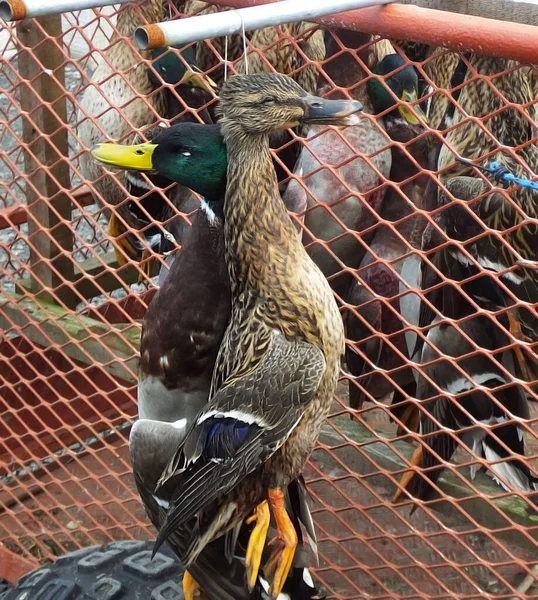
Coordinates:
(92, 277)
(17, 215)
(44, 116)
(91, 272)
(378, 453)
(13, 566)
(81, 338)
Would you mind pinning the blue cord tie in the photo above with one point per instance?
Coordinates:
(501, 174)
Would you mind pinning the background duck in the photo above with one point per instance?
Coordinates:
(487, 264)
(319, 188)
(278, 363)
(121, 79)
(511, 127)
(378, 279)
(489, 424)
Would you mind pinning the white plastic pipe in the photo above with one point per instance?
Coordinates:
(193, 29)
(16, 10)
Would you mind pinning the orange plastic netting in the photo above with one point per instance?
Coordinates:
(71, 315)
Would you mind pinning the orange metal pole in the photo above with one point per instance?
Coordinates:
(13, 566)
(502, 39)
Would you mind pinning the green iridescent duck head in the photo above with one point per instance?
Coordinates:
(191, 154)
(177, 66)
(404, 84)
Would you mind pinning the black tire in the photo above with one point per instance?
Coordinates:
(5, 586)
(117, 571)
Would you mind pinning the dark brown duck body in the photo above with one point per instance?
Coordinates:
(185, 322)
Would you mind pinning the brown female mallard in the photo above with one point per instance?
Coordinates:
(278, 363)
(182, 332)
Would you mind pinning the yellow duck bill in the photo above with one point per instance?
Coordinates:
(409, 113)
(137, 158)
(193, 76)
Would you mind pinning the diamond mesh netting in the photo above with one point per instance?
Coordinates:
(387, 215)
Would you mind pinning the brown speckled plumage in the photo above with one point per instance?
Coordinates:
(278, 363)
(275, 285)
(485, 263)
(509, 127)
(275, 47)
(440, 68)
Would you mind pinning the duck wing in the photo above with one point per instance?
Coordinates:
(222, 574)
(244, 424)
(489, 428)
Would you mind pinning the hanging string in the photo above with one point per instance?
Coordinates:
(225, 57)
(244, 41)
(244, 48)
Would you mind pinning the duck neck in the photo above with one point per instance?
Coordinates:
(258, 229)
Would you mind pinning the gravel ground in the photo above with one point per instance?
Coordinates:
(14, 252)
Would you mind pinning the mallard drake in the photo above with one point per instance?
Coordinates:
(401, 79)
(185, 322)
(355, 201)
(184, 326)
(278, 363)
(490, 428)
(382, 281)
(488, 267)
(120, 98)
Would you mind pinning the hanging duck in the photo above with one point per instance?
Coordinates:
(185, 322)
(378, 280)
(329, 240)
(489, 421)
(484, 268)
(278, 363)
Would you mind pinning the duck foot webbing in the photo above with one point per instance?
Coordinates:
(256, 542)
(410, 420)
(146, 264)
(191, 589)
(408, 476)
(122, 247)
(515, 329)
(279, 564)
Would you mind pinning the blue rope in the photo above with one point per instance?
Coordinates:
(501, 174)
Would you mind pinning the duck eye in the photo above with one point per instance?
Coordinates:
(268, 100)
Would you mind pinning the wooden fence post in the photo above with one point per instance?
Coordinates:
(44, 113)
